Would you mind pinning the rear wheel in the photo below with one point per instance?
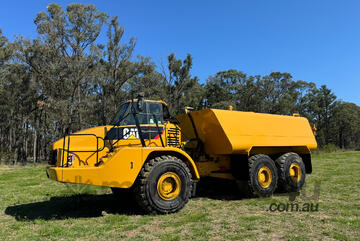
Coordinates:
(164, 185)
(291, 171)
(262, 176)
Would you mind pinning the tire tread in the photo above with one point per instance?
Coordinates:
(140, 195)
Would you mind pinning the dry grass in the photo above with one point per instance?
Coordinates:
(34, 208)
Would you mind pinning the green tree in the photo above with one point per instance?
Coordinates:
(345, 125)
(279, 93)
(6, 50)
(324, 111)
(179, 87)
(234, 88)
(64, 57)
(220, 90)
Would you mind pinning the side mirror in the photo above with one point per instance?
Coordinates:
(140, 104)
(140, 101)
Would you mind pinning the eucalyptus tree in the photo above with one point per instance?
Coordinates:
(345, 125)
(233, 87)
(220, 89)
(279, 93)
(6, 50)
(326, 104)
(179, 87)
(5, 55)
(16, 102)
(60, 64)
(63, 58)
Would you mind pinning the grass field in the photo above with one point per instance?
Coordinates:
(33, 207)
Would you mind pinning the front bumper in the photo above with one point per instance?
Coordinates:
(53, 173)
(97, 176)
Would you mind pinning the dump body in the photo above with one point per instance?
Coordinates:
(225, 132)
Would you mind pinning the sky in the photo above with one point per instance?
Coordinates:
(316, 41)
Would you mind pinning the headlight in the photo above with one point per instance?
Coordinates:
(70, 160)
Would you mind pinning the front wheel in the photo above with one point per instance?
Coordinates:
(164, 185)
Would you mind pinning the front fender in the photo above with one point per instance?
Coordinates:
(151, 152)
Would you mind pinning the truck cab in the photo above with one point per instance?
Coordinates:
(89, 146)
(142, 146)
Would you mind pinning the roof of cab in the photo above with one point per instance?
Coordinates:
(156, 101)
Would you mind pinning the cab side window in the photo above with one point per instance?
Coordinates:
(166, 112)
(155, 109)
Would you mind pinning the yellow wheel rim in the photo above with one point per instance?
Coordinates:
(295, 172)
(169, 186)
(264, 177)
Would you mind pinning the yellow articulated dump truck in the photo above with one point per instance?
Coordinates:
(160, 159)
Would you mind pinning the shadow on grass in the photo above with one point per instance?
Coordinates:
(90, 205)
(219, 189)
(76, 206)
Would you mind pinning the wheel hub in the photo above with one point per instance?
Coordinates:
(295, 172)
(264, 177)
(169, 186)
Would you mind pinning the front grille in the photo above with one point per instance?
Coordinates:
(174, 137)
(53, 157)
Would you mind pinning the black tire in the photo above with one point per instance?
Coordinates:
(146, 186)
(286, 182)
(256, 164)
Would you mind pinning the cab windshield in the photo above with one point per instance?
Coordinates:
(120, 115)
(149, 113)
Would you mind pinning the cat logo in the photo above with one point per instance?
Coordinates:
(130, 133)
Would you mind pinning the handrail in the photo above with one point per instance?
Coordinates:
(73, 151)
(158, 130)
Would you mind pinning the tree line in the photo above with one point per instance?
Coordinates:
(66, 79)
